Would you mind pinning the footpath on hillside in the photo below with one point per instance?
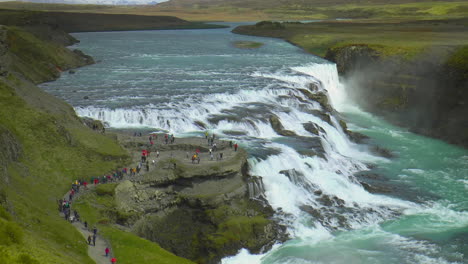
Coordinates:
(147, 150)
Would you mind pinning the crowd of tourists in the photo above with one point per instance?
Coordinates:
(64, 205)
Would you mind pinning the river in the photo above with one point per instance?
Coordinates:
(181, 80)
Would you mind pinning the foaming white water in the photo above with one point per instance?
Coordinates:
(331, 176)
(328, 76)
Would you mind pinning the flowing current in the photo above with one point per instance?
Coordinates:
(189, 81)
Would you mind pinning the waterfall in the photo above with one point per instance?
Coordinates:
(256, 188)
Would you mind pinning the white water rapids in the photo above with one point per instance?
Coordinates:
(186, 82)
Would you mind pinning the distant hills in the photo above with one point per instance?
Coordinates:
(98, 2)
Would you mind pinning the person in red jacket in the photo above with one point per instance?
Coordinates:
(107, 251)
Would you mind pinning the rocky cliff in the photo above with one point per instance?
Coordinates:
(427, 93)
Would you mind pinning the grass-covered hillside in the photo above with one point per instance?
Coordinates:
(87, 22)
(257, 10)
(43, 147)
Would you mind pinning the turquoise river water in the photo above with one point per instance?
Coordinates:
(176, 80)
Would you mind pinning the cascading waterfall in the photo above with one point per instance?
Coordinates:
(184, 84)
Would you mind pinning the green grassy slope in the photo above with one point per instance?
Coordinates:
(43, 151)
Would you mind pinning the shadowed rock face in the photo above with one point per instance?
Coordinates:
(427, 94)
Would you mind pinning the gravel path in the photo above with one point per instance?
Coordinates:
(97, 252)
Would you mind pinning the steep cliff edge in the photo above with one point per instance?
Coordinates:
(427, 93)
(44, 147)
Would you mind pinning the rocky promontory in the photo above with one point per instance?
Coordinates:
(202, 210)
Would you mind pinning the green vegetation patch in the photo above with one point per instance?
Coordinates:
(129, 248)
(459, 60)
(106, 189)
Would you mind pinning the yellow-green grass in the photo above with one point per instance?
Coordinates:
(249, 10)
(396, 37)
(95, 207)
(48, 164)
(406, 43)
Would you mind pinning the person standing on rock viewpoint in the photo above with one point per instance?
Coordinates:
(89, 240)
(94, 240)
(235, 147)
(107, 251)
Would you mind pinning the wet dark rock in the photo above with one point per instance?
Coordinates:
(71, 72)
(313, 128)
(85, 97)
(199, 124)
(375, 188)
(313, 87)
(386, 153)
(322, 115)
(278, 127)
(234, 133)
(357, 137)
(354, 136)
(312, 211)
(369, 175)
(319, 97)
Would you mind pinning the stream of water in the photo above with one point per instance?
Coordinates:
(182, 80)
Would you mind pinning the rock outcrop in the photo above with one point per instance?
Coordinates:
(279, 128)
(202, 212)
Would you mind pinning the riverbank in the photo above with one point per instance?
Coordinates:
(423, 86)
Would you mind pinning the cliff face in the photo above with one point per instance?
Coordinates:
(428, 93)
